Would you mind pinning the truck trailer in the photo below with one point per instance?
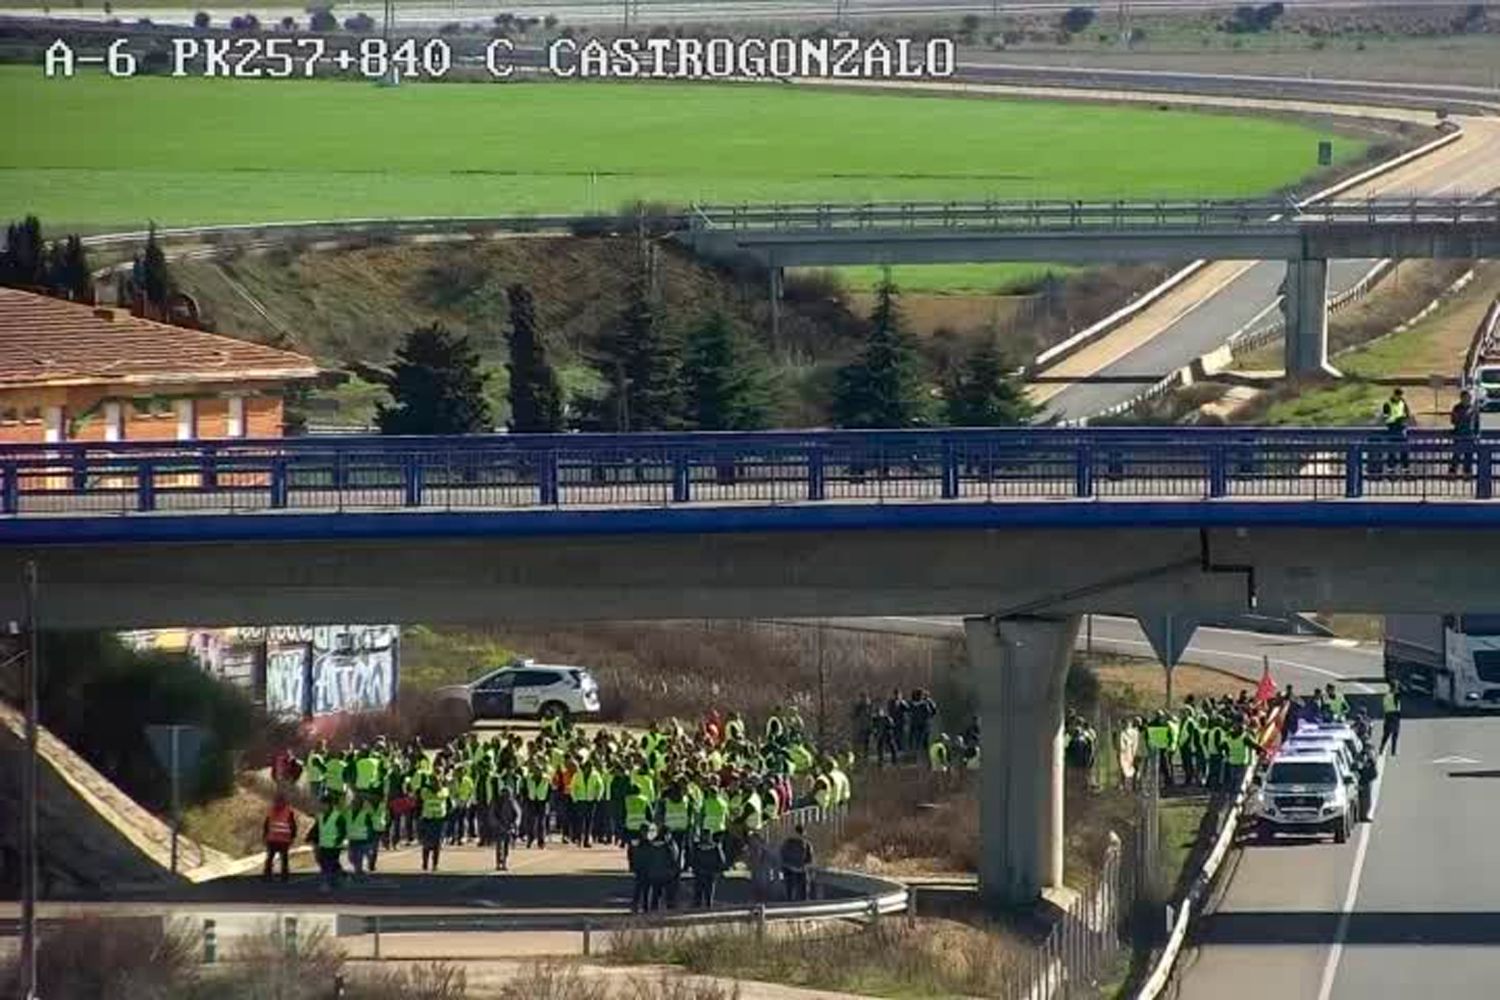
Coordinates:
(1454, 658)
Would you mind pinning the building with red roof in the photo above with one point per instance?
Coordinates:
(91, 373)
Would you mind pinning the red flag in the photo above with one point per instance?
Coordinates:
(1266, 689)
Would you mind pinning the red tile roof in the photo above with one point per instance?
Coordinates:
(46, 341)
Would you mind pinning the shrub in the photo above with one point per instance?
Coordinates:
(94, 958)
(550, 22)
(244, 22)
(321, 19)
(1077, 19)
(201, 20)
(97, 695)
(288, 23)
(360, 23)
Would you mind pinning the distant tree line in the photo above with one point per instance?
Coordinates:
(711, 376)
(59, 268)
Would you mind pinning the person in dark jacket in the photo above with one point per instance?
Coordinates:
(505, 818)
(896, 710)
(636, 858)
(707, 864)
(921, 710)
(796, 859)
(663, 868)
(1464, 418)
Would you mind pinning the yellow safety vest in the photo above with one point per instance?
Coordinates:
(328, 829)
(677, 815)
(636, 808)
(715, 813)
(434, 803)
(360, 822)
(366, 773)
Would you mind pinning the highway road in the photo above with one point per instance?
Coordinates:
(1407, 908)
(434, 13)
(1204, 312)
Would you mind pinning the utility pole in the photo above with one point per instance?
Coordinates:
(822, 695)
(29, 985)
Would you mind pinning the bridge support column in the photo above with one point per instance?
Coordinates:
(1020, 669)
(1305, 306)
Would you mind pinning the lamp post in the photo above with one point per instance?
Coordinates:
(29, 986)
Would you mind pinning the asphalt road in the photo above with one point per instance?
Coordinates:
(433, 14)
(1407, 908)
(1204, 325)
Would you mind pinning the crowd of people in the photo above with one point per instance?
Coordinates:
(901, 729)
(1210, 743)
(681, 800)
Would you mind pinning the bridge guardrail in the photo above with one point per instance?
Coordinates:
(502, 472)
(1486, 344)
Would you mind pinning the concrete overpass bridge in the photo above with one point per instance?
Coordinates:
(1021, 531)
(1306, 236)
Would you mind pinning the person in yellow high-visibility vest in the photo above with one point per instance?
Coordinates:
(1159, 743)
(433, 804)
(362, 834)
(637, 815)
(715, 812)
(937, 753)
(677, 816)
(329, 832)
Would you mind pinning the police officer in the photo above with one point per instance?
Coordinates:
(1395, 416)
(1390, 720)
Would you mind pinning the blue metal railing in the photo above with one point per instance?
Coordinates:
(497, 472)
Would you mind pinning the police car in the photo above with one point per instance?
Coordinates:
(526, 689)
(1306, 791)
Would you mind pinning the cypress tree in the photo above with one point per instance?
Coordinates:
(155, 278)
(536, 405)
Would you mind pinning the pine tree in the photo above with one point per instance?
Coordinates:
(983, 393)
(536, 405)
(24, 262)
(155, 278)
(71, 278)
(643, 364)
(726, 379)
(436, 385)
(883, 387)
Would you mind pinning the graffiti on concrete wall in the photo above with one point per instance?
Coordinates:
(309, 669)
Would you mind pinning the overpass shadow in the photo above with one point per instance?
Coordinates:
(1377, 928)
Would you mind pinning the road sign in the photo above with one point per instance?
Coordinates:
(1169, 636)
(177, 747)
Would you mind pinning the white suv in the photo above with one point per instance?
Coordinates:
(1305, 792)
(1487, 389)
(527, 688)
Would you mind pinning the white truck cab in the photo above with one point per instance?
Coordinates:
(1305, 792)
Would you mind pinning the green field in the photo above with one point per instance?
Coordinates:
(104, 152)
(954, 279)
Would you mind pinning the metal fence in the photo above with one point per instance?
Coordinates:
(1085, 945)
(660, 470)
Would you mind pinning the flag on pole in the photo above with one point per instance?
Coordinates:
(1266, 689)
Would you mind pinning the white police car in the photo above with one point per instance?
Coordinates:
(527, 689)
(1305, 791)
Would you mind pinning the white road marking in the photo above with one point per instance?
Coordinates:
(1331, 967)
(1453, 759)
(1342, 643)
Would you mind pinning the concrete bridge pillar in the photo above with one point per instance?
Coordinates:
(1305, 305)
(1020, 668)
(778, 278)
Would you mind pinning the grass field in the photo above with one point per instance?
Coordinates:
(955, 279)
(104, 152)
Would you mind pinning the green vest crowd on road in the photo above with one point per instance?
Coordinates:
(713, 782)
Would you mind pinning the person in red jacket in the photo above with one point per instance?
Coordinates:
(279, 833)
